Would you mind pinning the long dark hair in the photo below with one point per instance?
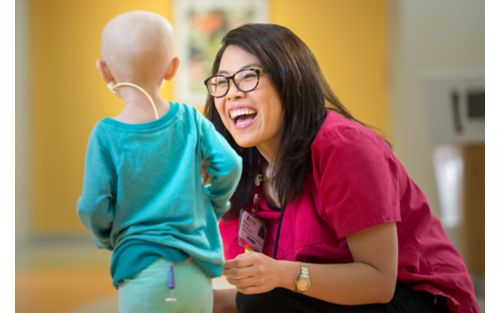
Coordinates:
(305, 96)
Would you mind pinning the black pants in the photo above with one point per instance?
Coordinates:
(282, 300)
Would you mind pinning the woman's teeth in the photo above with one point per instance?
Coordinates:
(240, 112)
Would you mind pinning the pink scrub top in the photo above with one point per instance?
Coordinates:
(356, 183)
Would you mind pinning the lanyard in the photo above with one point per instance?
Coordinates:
(278, 232)
(258, 181)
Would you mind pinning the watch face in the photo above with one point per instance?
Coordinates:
(303, 284)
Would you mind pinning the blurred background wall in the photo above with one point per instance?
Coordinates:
(378, 56)
(437, 111)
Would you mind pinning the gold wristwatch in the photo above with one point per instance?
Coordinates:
(303, 281)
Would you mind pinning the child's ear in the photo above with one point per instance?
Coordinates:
(172, 69)
(103, 69)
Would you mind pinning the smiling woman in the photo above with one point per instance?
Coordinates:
(251, 115)
(345, 228)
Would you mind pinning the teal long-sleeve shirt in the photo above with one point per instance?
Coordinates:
(143, 196)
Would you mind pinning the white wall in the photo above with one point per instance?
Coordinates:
(427, 36)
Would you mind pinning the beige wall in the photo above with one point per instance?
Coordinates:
(350, 40)
(68, 97)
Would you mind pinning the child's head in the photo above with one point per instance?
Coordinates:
(137, 47)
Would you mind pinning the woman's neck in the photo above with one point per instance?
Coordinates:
(268, 151)
(270, 192)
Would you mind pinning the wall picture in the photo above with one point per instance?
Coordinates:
(199, 29)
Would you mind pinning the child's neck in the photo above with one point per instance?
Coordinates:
(137, 109)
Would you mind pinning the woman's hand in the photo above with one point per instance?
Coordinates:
(254, 272)
(370, 278)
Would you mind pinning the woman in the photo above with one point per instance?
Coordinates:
(334, 221)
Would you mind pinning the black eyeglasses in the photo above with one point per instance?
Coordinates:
(245, 80)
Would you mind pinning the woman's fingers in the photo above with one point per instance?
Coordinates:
(243, 260)
(239, 273)
(254, 285)
(251, 273)
(241, 267)
(249, 284)
(251, 290)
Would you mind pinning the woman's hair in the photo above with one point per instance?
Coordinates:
(305, 96)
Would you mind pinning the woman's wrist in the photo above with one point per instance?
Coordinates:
(289, 272)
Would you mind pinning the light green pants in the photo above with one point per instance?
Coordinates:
(146, 293)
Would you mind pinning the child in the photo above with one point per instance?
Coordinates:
(143, 195)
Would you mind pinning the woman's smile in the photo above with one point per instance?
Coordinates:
(242, 117)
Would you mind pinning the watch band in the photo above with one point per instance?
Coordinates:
(303, 281)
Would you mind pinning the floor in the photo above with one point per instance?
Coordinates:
(69, 291)
(73, 280)
(67, 279)
(75, 291)
(61, 290)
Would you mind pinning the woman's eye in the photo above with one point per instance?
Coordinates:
(249, 75)
(220, 83)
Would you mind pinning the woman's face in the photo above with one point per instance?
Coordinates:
(253, 118)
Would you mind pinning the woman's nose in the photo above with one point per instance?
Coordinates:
(233, 92)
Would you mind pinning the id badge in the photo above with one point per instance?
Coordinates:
(252, 232)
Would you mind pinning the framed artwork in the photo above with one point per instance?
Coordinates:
(200, 26)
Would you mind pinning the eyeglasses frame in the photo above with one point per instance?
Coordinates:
(259, 71)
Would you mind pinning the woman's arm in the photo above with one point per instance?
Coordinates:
(370, 278)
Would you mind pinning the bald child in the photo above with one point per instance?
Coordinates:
(143, 195)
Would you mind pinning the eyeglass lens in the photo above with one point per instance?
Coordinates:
(245, 80)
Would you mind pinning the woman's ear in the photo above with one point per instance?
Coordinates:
(172, 69)
(103, 69)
